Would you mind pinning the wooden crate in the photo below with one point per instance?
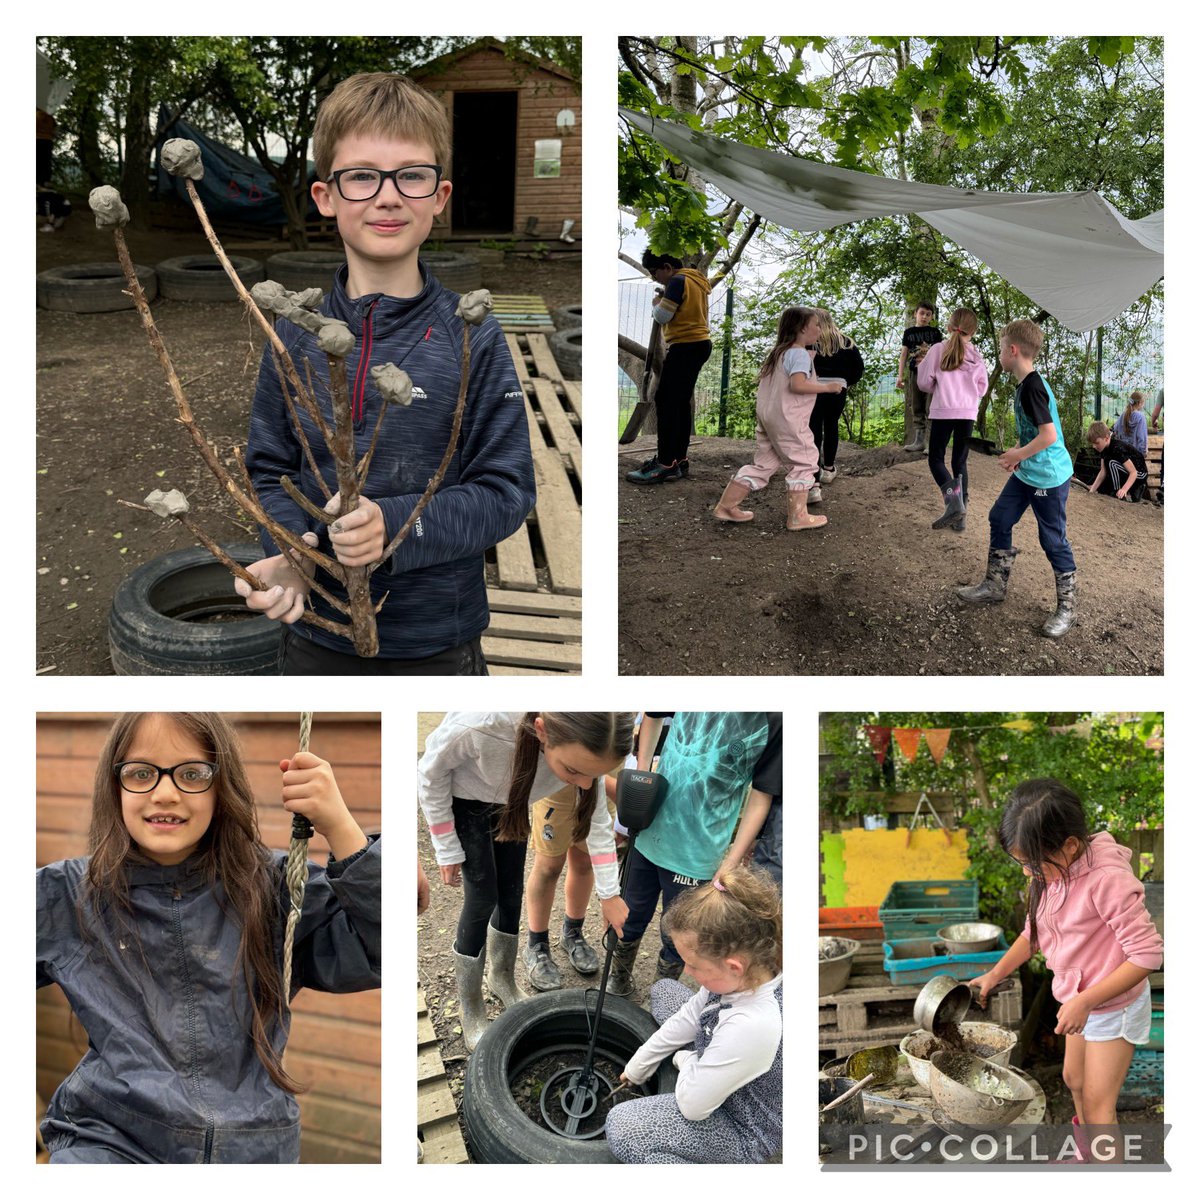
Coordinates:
(437, 1115)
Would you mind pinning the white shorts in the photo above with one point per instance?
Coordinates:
(1131, 1022)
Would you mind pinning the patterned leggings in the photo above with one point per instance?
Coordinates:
(653, 1130)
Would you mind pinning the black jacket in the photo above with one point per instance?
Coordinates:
(171, 1074)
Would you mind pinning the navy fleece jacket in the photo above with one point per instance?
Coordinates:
(436, 596)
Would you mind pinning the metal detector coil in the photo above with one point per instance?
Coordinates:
(639, 797)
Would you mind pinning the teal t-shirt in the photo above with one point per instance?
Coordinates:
(709, 760)
(1035, 405)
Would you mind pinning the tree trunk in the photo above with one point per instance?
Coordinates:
(87, 142)
(139, 144)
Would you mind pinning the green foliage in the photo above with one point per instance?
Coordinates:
(1112, 770)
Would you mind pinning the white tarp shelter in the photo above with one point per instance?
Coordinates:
(1070, 252)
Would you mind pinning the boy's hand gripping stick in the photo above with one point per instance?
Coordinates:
(297, 871)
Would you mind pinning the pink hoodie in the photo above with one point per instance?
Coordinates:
(955, 394)
(1088, 929)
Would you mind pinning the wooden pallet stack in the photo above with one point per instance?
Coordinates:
(537, 628)
(437, 1116)
(872, 1011)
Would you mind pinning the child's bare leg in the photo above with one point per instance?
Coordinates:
(1073, 1070)
(539, 890)
(1105, 1067)
(578, 890)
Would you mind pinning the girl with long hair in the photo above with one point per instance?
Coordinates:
(1131, 424)
(836, 356)
(954, 375)
(1087, 915)
(787, 389)
(167, 939)
(727, 1039)
(477, 779)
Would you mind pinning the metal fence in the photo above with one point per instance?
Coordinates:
(875, 399)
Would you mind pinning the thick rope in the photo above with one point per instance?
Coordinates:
(297, 872)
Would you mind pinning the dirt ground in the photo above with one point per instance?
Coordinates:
(106, 431)
(871, 593)
(435, 945)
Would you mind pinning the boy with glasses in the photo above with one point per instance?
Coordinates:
(381, 144)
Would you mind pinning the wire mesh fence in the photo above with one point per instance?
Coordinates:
(875, 410)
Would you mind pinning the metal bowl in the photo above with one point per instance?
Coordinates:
(835, 957)
(969, 937)
(976, 1093)
(988, 1041)
(943, 1001)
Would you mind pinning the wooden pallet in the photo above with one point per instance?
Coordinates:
(522, 314)
(1154, 462)
(437, 1115)
(533, 633)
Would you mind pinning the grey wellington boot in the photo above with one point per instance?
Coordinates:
(1064, 615)
(502, 959)
(620, 979)
(952, 495)
(960, 524)
(468, 974)
(994, 587)
(917, 445)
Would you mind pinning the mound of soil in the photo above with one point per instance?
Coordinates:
(872, 592)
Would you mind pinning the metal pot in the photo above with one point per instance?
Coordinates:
(919, 1045)
(969, 937)
(944, 1000)
(850, 1113)
(835, 958)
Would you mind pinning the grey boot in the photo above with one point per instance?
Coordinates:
(1064, 615)
(952, 495)
(468, 974)
(961, 523)
(995, 583)
(543, 973)
(620, 979)
(666, 969)
(917, 445)
(502, 959)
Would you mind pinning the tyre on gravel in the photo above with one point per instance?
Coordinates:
(91, 287)
(570, 317)
(567, 347)
(498, 1130)
(179, 615)
(456, 272)
(201, 277)
(300, 269)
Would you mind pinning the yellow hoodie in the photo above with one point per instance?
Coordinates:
(690, 320)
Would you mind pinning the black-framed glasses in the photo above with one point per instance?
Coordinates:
(191, 777)
(364, 183)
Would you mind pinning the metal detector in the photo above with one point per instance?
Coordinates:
(639, 797)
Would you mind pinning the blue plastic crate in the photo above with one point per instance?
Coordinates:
(920, 907)
(904, 963)
(1145, 1078)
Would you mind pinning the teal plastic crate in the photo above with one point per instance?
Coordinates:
(1144, 1082)
(920, 907)
(904, 961)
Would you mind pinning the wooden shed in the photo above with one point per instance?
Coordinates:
(516, 155)
(334, 1049)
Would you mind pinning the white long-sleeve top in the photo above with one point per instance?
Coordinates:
(469, 755)
(743, 1045)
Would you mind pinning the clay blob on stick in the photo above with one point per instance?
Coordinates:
(182, 158)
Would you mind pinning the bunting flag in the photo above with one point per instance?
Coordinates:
(1021, 725)
(937, 740)
(880, 737)
(909, 741)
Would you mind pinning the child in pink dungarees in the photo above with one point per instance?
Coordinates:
(787, 391)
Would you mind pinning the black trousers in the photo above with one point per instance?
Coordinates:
(673, 397)
(1114, 479)
(493, 876)
(302, 656)
(826, 413)
(939, 435)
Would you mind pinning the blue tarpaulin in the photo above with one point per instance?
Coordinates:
(234, 187)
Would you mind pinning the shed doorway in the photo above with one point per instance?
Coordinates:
(485, 162)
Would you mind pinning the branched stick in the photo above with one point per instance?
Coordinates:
(298, 426)
(440, 473)
(302, 501)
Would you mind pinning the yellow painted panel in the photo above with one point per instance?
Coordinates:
(876, 858)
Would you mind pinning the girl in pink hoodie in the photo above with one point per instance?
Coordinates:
(956, 378)
(1087, 915)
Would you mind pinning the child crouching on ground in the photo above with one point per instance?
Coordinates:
(727, 1039)
(1040, 477)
